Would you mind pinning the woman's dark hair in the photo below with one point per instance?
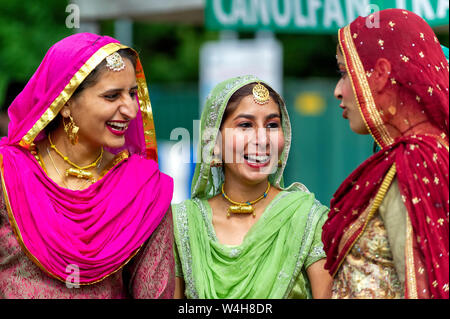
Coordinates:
(244, 91)
(91, 80)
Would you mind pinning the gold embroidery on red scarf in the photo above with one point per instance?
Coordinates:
(410, 280)
(367, 94)
(366, 216)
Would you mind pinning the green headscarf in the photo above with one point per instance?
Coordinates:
(207, 180)
(271, 261)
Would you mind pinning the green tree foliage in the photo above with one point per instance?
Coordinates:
(27, 30)
(171, 53)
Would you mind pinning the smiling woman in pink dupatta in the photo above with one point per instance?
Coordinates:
(109, 236)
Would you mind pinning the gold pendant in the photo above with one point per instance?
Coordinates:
(79, 173)
(241, 209)
(261, 94)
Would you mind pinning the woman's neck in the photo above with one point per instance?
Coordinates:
(81, 153)
(242, 191)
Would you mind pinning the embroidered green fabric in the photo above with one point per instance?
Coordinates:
(271, 261)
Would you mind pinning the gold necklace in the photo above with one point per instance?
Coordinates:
(60, 175)
(75, 170)
(245, 207)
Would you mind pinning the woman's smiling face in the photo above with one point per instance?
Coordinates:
(103, 111)
(252, 140)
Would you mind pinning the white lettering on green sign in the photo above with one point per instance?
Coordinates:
(315, 15)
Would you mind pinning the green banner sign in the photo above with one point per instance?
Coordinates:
(310, 16)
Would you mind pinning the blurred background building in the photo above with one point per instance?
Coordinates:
(187, 46)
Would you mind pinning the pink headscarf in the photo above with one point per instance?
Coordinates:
(99, 229)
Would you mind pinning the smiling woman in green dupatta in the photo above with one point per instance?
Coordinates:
(242, 235)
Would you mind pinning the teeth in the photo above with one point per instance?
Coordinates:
(256, 158)
(118, 126)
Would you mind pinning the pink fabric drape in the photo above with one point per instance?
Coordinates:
(97, 229)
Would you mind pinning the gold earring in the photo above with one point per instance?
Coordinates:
(71, 130)
(279, 163)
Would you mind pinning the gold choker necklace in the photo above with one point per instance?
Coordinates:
(246, 207)
(75, 170)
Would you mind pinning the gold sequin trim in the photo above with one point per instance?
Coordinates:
(367, 215)
(367, 94)
(65, 95)
(146, 111)
(91, 64)
(410, 281)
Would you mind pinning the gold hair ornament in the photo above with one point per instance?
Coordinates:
(260, 94)
(114, 62)
(246, 207)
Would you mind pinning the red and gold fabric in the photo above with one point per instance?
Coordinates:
(412, 128)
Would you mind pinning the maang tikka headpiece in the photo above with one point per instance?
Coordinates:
(260, 94)
(115, 62)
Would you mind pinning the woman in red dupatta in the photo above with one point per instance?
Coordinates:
(84, 211)
(387, 234)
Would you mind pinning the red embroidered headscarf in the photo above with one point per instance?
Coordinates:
(412, 131)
